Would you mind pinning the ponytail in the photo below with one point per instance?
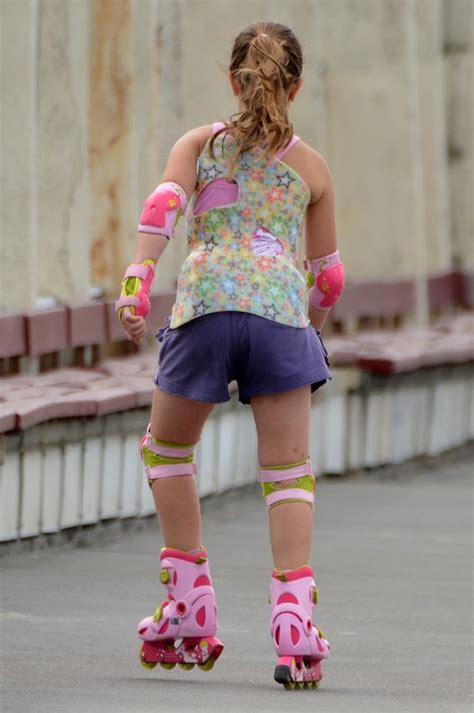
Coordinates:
(266, 62)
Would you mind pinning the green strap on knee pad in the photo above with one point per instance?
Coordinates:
(305, 483)
(153, 461)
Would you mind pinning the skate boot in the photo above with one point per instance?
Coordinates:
(182, 629)
(300, 646)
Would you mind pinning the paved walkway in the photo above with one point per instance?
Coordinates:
(394, 561)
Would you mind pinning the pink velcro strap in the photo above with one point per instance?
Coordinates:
(283, 151)
(140, 271)
(322, 263)
(290, 494)
(272, 476)
(126, 301)
(169, 470)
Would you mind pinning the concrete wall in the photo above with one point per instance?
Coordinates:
(101, 90)
(459, 82)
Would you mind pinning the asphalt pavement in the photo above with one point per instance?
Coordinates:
(393, 556)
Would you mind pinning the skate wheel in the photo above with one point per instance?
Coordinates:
(186, 666)
(148, 664)
(207, 665)
(168, 665)
(290, 685)
(300, 685)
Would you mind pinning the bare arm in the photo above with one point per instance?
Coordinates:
(181, 169)
(320, 232)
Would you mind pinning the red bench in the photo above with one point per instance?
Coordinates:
(89, 385)
(94, 383)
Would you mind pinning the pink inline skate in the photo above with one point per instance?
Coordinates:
(182, 629)
(300, 646)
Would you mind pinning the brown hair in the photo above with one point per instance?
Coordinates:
(266, 61)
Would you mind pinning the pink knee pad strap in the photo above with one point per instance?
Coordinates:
(268, 475)
(290, 494)
(167, 451)
(166, 469)
(325, 279)
(162, 209)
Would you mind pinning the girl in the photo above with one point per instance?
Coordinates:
(241, 312)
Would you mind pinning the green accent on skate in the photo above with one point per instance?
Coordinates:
(158, 613)
(168, 666)
(164, 576)
(305, 482)
(310, 279)
(201, 560)
(186, 666)
(321, 633)
(315, 596)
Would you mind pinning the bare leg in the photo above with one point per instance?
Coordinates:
(178, 420)
(282, 422)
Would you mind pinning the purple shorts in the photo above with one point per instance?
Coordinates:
(198, 359)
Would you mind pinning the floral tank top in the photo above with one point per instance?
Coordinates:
(243, 238)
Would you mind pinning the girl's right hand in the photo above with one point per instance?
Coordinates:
(134, 326)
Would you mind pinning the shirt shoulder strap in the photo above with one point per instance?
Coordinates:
(216, 126)
(282, 152)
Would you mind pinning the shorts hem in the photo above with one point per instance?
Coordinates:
(192, 394)
(286, 386)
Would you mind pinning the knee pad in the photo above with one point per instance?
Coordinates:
(164, 460)
(301, 491)
(163, 209)
(325, 280)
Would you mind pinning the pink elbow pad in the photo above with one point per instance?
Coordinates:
(325, 279)
(136, 288)
(162, 209)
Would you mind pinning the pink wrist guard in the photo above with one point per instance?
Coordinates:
(163, 209)
(136, 286)
(325, 280)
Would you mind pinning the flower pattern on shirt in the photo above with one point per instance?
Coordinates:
(221, 271)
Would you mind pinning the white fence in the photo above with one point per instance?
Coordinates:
(74, 473)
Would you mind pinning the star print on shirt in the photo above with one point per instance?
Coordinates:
(199, 309)
(211, 244)
(285, 179)
(271, 312)
(212, 172)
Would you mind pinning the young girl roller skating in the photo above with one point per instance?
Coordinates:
(243, 312)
